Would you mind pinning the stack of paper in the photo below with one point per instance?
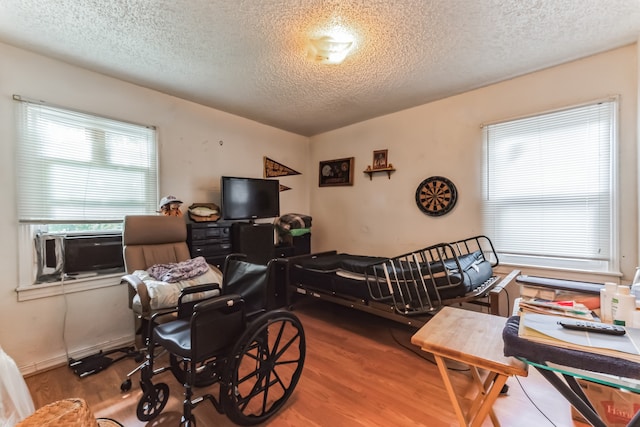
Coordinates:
(565, 309)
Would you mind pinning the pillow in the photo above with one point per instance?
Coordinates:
(165, 294)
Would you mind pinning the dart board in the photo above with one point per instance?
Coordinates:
(436, 196)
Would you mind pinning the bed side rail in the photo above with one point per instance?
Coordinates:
(414, 282)
(480, 244)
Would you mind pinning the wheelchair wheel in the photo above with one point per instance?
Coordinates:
(126, 385)
(152, 402)
(264, 368)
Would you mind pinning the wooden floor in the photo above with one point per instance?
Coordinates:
(360, 370)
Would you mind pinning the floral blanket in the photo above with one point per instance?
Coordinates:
(164, 294)
(176, 272)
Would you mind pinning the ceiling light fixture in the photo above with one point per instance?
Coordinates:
(329, 50)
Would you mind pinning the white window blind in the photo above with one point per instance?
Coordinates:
(549, 188)
(76, 167)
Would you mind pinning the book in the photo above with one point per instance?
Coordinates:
(550, 289)
(544, 328)
(566, 309)
(538, 292)
(533, 292)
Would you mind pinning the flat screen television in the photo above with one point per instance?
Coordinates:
(249, 198)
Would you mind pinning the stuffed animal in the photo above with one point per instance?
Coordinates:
(170, 206)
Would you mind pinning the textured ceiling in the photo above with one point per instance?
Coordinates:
(249, 57)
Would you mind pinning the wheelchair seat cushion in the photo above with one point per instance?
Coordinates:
(175, 336)
(214, 325)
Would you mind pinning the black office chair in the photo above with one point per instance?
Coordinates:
(255, 355)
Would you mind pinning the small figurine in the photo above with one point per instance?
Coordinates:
(170, 206)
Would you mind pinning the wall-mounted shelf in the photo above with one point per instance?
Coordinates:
(371, 171)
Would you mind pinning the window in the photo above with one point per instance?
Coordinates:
(549, 188)
(77, 173)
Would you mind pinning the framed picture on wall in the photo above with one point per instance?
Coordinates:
(380, 159)
(336, 172)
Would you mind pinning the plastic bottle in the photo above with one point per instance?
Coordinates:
(606, 295)
(636, 316)
(635, 285)
(623, 306)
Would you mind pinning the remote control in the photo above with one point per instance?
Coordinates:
(600, 328)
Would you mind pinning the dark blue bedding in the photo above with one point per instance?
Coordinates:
(327, 273)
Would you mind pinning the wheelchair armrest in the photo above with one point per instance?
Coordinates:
(137, 286)
(158, 313)
(186, 307)
(204, 287)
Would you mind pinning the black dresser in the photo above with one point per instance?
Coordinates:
(212, 240)
(215, 240)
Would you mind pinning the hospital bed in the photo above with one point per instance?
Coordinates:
(408, 288)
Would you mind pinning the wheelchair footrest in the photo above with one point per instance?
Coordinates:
(90, 365)
(97, 362)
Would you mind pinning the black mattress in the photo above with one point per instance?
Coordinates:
(347, 275)
(322, 273)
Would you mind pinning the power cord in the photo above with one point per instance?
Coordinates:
(508, 301)
(420, 354)
(64, 317)
(533, 403)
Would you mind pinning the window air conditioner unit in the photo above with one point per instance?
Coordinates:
(75, 255)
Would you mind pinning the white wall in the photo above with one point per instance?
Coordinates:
(380, 217)
(191, 163)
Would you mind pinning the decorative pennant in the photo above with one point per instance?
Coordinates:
(273, 169)
(284, 188)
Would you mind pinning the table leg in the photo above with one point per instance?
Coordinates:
(484, 387)
(488, 400)
(482, 405)
(444, 373)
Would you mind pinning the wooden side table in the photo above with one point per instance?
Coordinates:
(474, 339)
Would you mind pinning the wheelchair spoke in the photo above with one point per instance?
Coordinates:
(286, 346)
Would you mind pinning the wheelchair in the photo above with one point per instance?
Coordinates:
(253, 356)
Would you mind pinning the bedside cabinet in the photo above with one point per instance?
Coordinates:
(301, 245)
(285, 251)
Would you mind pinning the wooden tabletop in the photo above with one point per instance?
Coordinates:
(469, 337)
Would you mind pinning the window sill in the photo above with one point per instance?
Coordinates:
(68, 286)
(560, 273)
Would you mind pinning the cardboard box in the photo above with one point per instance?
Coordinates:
(616, 407)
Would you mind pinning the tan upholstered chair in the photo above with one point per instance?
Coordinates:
(149, 240)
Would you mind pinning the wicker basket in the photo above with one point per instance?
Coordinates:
(72, 412)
